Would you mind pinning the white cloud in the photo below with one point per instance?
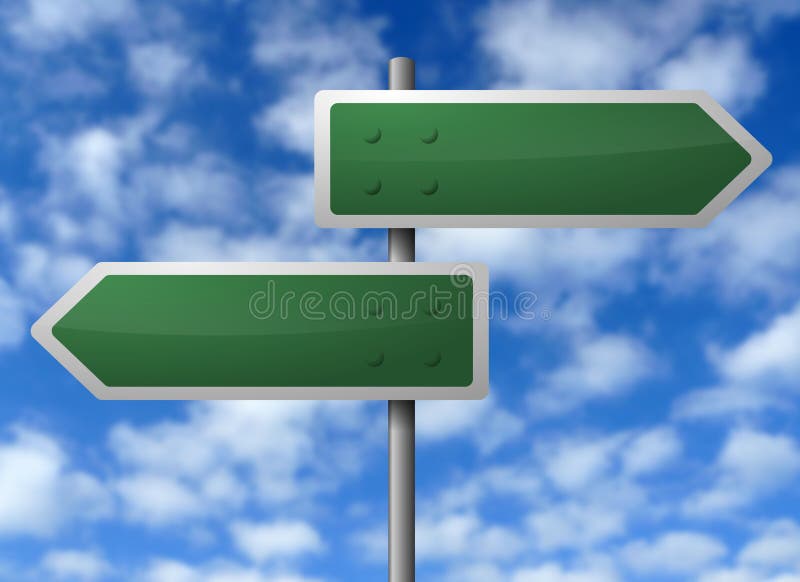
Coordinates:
(651, 451)
(518, 481)
(205, 185)
(718, 66)
(542, 44)
(592, 489)
(760, 372)
(455, 535)
(87, 172)
(286, 208)
(732, 575)
(372, 543)
(575, 525)
(476, 572)
(759, 459)
(93, 159)
(262, 542)
(770, 354)
(110, 183)
(442, 419)
(159, 67)
(677, 552)
(156, 500)
(8, 216)
(777, 547)
(449, 532)
(595, 570)
(723, 402)
(183, 242)
(500, 427)
(751, 465)
(601, 367)
(75, 565)
(552, 259)
(538, 44)
(554, 572)
(573, 464)
(745, 574)
(215, 430)
(13, 321)
(314, 46)
(43, 24)
(226, 453)
(482, 421)
(577, 465)
(753, 248)
(44, 274)
(39, 492)
(165, 570)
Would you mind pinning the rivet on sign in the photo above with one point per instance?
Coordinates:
(374, 189)
(435, 361)
(376, 361)
(432, 137)
(432, 189)
(375, 138)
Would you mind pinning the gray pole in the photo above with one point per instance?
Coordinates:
(401, 412)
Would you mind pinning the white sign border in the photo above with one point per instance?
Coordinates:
(42, 332)
(760, 160)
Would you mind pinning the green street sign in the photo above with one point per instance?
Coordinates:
(193, 331)
(404, 159)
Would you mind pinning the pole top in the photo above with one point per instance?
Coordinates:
(401, 73)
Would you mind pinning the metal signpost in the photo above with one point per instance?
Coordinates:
(403, 159)
(401, 331)
(402, 442)
(189, 331)
(398, 159)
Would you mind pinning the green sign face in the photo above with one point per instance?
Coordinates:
(527, 158)
(287, 330)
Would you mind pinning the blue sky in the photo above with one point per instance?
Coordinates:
(643, 427)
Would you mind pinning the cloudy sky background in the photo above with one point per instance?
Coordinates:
(643, 427)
